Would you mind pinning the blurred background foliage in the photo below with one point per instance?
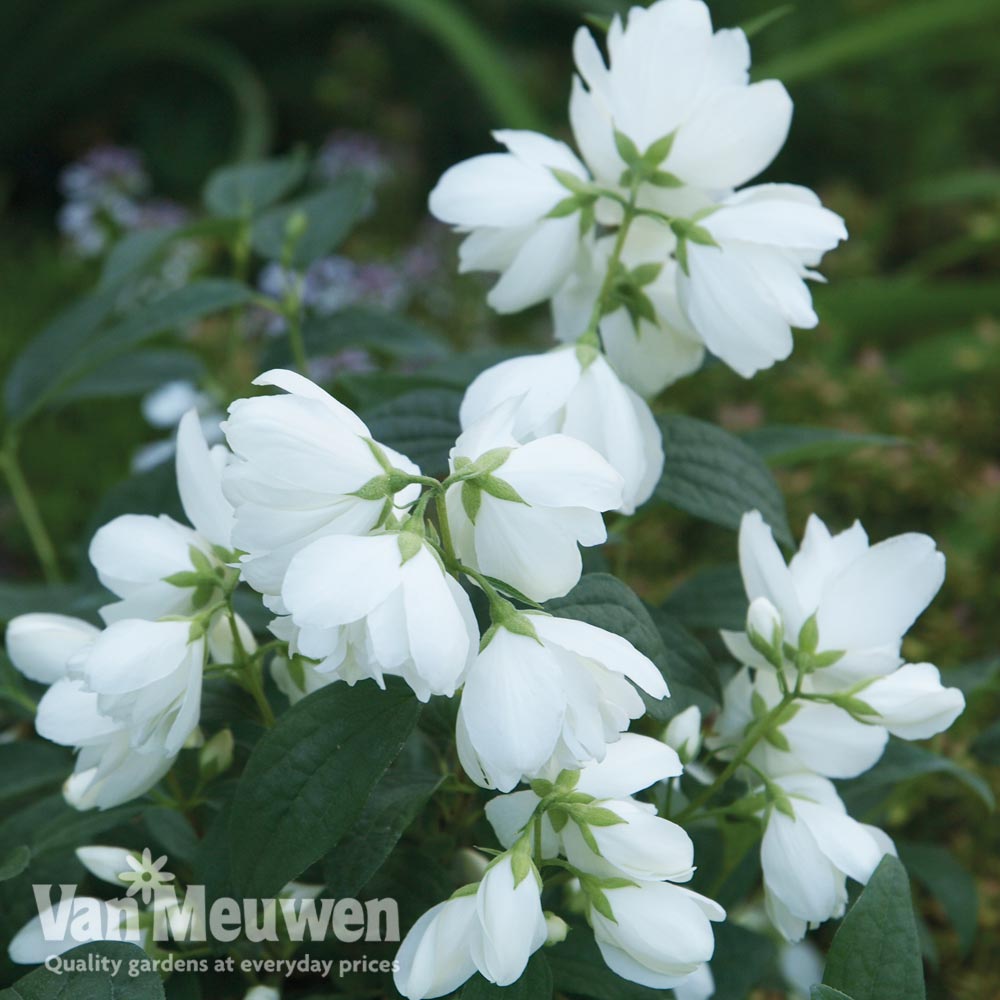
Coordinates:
(896, 125)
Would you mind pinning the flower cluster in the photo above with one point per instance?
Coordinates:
(647, 239)
(627, 862)
(821, 686)
(128, 697)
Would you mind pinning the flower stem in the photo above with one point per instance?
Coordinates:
(251, 671)
(444, 529)
(757, 732)
(28, 510)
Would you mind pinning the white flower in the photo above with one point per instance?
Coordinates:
(649, 352)
(263, 993)
(641, 846)
(659, 935)
(106, 863)
(700, 985)
(380, 604)
(495, 931)
(807, 858)
(574, 391)
(146, 676)
(504, 201)
(135, 555)
(865, 597)
(108, 770)
(555, 698)
(912, 703)
(307, 467)
(435, 957)
(57, 929)
(512, 925)
(523, 509)
(683, 733)
(668, 74)
(745, 293)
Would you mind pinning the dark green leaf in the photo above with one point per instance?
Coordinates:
(138, 982)
(691, 671)
(939, 871)
(132, 255)
(24, 598)
(901, 762)
(986, 745)
(135, 374)
(605, 601)
(173, 832)
(243, 190)
(711, 599)
(820, 992)
(876, 954)
(14, 862)
(578, 969)
(535, 984)
(325, 217)
(742, 959)
(309, 778)
(394, 804)
(423, 425)
(713, 475)
(787, 445)
(27, 767)
(972, 677)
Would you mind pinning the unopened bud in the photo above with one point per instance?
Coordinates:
(766, 631)
(556, 929)
(216, 755)
(683, 733)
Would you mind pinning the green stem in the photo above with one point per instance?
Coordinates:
(756, 733)
(28, 510)
(251, 671)
(296, 341)
(444, 529)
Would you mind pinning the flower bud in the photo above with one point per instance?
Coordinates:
(683, 733)
(765, 630)
(556, 929)
(216, 755)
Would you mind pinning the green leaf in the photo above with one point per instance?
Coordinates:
(787, 445)
(713, 599)
(27, 767)
(422, 424)
(133, 254)
(135, 374)
(535, 984)
(691, 671)
(986, 746)
(394, 804)
(876, 953)
(605, 601)
(939, 871)
(713, 475)
(578, 969)
(140, 982)
(385, 334)
(741, 962)
(901, 762)
(308, 779)
(329, 215)
(52, 374)
(14, 862)
(243, 190)
(820, 992)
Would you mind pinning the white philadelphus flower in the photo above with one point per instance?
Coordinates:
(106, 863)
(807, 858)
(912, 703)
(683, 733)
(108, 770)
(503, 201)
(554, 693)
(745, 293)
(574, 391)
(306, 467)
(495, 931)
(864, 597)
(388, 607)
(523, 510)
(633, 763)
(642, 846)
(668, 74)
(135, 554)
(660, 935)
(53, 932)
(700, 985)
(648, 352)
(263, 993)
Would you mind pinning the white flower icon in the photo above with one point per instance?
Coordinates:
(146, 875)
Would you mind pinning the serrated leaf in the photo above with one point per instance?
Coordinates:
(875, 954)
(241, 191)
(329, 214)
(308, 779)
(711, 474)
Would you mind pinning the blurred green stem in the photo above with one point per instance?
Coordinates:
(28, 510)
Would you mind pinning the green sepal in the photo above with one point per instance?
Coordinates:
(466, 890)
(657, 152)
(184, 579)
(410, 543)
(628, 150)
(499, 488)
(567, 780)
(809, 635)
(472, 500)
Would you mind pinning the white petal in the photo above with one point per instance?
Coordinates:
(912, 702)
(199, 481)
(765, 573)
(540, 267)
(41, 645)
(633, 763)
